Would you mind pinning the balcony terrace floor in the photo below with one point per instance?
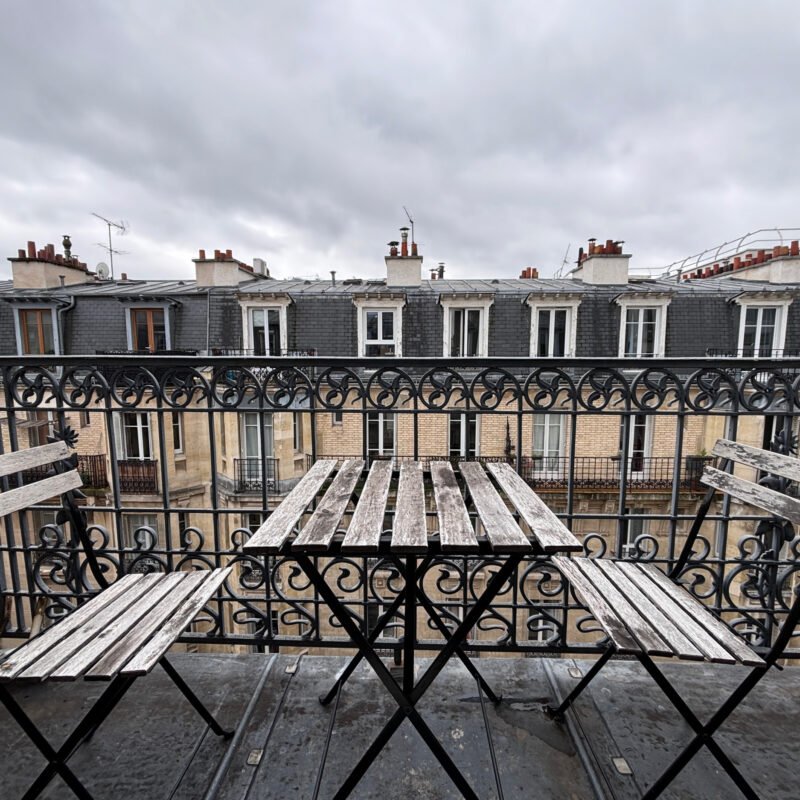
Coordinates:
(155, 746)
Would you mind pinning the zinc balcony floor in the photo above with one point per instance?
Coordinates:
(155, 746)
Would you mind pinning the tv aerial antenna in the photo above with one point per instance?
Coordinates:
(412, 224)
(564, 262)
(121, 228)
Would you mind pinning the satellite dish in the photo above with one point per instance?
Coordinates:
(102, 270)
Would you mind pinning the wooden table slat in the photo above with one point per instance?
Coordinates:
(81, 637)
(638, 626)
(763, 460)
(715, 627)
(149, 655)
(95, 649)
(677, 640)
(320, 529)
(501, 527)
(550, 532)
(29, 652)
(455, 527)
(410, 534)
(366, 524)
(32, 493)
(122, 652)
(277, 528)
(599, 608)
(32, 457)
(686, 622)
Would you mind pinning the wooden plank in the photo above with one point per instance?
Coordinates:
(598, 607)
(549, 530)
(277, 528)
(366, 524)
(410, 534)
(639, 627)
(675, 638)
(149, 655)
(81, 637)
(780, 505)
(715, 627)
(80, 661)
(33, 457)
(686, 622)
(33, 649)
(116, 658)
(455, 527)
(318, 533)
(763, 460)
(25, 496)
(501, 527)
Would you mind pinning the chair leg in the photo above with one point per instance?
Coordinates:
(558, 712)
(194, 699)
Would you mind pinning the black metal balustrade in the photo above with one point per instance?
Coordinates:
(92, 469)
(745, 566)
(138, 476)
(251, 474)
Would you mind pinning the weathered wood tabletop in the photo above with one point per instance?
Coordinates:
(328, 510)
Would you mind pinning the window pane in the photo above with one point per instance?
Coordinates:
(456, 331)
(274, 331)
(632, 332)
(177, 431)
(258, 332)
(649, 334)
(387, 325)
(140, 334)
(372, 325)
(159, 330)
(388, 433)
(560, 332)
(472, 434)
(473, 329)
(455, 435)
(543, 348)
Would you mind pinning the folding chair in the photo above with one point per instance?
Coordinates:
(117, 636)
(645, 613)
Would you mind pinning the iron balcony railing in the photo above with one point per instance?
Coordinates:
(92, 469)
(186, 516)
(138, 476)
(252, 474)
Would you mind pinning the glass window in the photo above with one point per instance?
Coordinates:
(148, 329)
(337, 417)
(464, 435)
(177, 431)
(633, 528)
(36, 331)
(297, 422)
(380, 435)
(265, 331)
(379, 332)
(136, 435)
(759, 332)
(639, 441)
(548, 441)
(465, 328)
(552, 332)
(640, 332)
(251, 438)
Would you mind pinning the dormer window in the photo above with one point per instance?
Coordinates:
(466, 325)
(553, 325)
(37, 332)
(380, 325)
(265, 325)
(148, 329)
(643, 325)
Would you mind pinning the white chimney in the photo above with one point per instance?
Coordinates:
(602, 265)
(403, 269)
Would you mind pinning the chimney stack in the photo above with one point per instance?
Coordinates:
(440, 270)
(404, 240)
(333, 277)
(603, 264)
(403, 269)
(43, 268)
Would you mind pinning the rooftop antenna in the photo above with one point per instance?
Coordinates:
(563, 266)
(122, 228)
(412, 224)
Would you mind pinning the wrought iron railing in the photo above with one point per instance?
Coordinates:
(743, 569)
(251, 474)
(91, 468)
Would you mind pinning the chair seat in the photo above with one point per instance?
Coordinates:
(123, 631)
(643, 611)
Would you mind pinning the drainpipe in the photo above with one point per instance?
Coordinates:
(62, 325)
(208, 323)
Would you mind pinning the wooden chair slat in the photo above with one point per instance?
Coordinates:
(550, 532)
(81, 637)
(95, 649)
(279, 525)
(677, 640)
(410, 534)
(149, 655)
(598, 607)
(33, 493)
(366, 524)
(716, 628)
(455, 527)
(638, 626)
(501, 527)
(688, 623)
(28, 653)
(33, 457)
(763, 460)
(125, 649)
(320, 529)
(766, 499)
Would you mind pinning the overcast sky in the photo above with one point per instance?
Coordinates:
(297, 131)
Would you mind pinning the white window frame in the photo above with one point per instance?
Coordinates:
(365, 304)
(54, 323)
(249, 305)
(781, 306)
(142, 423)
(482, 304)
(178, 449)
(570, 305)
(298, 435)
(464, 423)
(634, 528)
(660, 304)
(381, 449)
(243, 424)
(647, 451)
(141, 305)
(542, 460)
